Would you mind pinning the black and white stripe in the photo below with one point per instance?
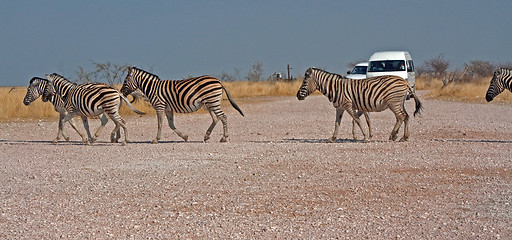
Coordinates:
(34, 90)
(88, 100)
(369, 95)
(181, 96)
(501, 80)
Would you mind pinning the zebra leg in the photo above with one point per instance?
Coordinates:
(60, 131)
(69, 117)
(406, 128)
(224, 119)
(72, 123)
(400, 117)
(367, 117)
(85, 121)
(339, 114)
(119, 122)
(358, 121)
(104, 121)
(160, 119)
(170, 119)
(215, 119)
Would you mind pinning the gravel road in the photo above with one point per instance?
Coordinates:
(275, 178)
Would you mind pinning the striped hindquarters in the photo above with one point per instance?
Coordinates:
(375, 94)
(185, 96)
(91, 99)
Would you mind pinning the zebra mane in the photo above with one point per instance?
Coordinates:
(503, 70)
(57, 76)
(145, 72)
(38, 79)
(323, 71)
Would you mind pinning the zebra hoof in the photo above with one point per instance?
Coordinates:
(92, 140)
(123, 143)
(56, 140)
(223, 139)
(404, 139)
(155, 141)
(67, 139)
(185, 138)
(331, 140)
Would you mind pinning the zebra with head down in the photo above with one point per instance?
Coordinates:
(501, 80)
(34, 90)
(88, 100)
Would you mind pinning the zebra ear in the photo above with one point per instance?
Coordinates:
(49, 78)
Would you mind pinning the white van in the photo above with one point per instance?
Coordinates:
(398, 63)
(358, 72)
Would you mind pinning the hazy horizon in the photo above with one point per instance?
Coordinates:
(190, 38)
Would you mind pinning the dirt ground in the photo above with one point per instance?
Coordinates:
(275, 178)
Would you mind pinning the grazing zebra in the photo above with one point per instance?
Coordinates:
(88, 100)
(34, 90)
(371, 95)
(181, 96)
(501, 80)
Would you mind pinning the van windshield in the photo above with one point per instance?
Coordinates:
(359, 70)
(386, 66)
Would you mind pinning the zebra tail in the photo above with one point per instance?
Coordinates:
(231, 101)
(131, 106)
(418, 104)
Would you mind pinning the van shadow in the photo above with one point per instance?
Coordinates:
(307, 140)
(472, 140)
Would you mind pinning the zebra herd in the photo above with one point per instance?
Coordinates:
(357, 97)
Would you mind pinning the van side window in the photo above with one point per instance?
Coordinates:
(410, 66)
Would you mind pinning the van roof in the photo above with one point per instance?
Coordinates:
(389, 55)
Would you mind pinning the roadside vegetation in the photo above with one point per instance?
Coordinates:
(468, 85)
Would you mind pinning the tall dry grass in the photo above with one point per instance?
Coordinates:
(12, 107)
(472, 91)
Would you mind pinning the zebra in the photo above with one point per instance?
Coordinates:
(181, 96)
(88, 100)
(371, 95)
(501, 80)
(34, 90)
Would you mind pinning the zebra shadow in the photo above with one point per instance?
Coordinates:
(311, 140)
(163, 142)
(47, 142)
(473, 140)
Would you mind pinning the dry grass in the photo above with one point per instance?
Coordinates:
(473, 91)
(13, 109)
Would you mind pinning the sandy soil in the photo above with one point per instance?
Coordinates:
(275, 178)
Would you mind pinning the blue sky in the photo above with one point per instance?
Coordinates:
(178, 39)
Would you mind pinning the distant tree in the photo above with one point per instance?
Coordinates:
(225, 77)
(84, 76)
(507, 65)
(436, 66)
(112, 73)
(237, 73)
(478, 68)
(256, 72)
